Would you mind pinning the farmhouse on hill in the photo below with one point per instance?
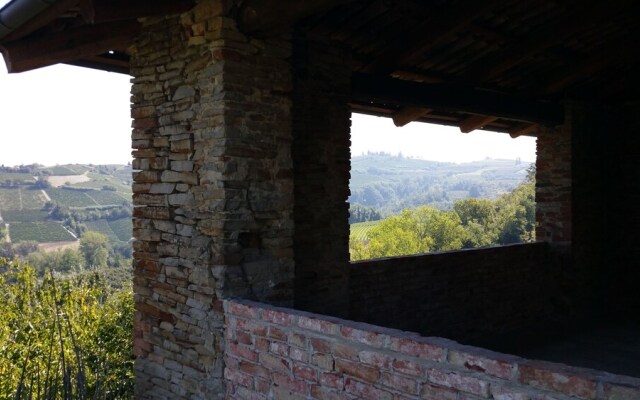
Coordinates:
(240, 136)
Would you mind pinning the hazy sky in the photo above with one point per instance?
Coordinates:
(64, 114)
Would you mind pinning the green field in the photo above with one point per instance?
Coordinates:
(63, 170)
(99, 180)
(12, 216)
(119, 230)
(40, 232)
(106, 197)
(71, 198)
(102, 226)
(360, 231)
(123, 228)
(16, 177)
(21, 198)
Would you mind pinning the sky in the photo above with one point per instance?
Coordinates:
(64, 114)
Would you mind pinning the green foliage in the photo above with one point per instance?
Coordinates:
(359, 213)
(472, 223)
(65, 261)
(63, 338)
(94, 248)
(20, 249)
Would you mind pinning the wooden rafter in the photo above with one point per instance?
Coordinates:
(409, 114)
(100, 11)
(475, 122)
(523, 129)
(105, 63)
(430, 34)
(76, 44)
(371, 89)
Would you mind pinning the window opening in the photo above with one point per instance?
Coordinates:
(425, 187)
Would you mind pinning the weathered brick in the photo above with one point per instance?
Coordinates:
(571, 381)
(458, 381)
(357, 370)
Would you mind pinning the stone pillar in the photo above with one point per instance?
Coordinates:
(213, 192)
(321, 156)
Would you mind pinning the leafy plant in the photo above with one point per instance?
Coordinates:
(63, 338)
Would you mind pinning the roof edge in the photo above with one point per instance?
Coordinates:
(15, 13)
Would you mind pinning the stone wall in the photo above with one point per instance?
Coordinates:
(321, 156)
(213, 191)
(278, 353)
(476, 295)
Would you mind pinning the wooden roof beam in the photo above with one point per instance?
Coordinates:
(76, 44)
(430, 34)
(263, 18)
(100, 11)
(474, 122)
(409, 114)
(374, 89)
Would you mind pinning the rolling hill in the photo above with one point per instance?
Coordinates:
(56, 204)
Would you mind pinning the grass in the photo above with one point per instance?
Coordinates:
(71, 198)
(40, 232)
(360, 230)
(123, 228)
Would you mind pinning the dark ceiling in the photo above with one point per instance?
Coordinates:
(503, 65)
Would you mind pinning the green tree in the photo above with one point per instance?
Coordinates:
(517, 213)
(94, 247)
(478, 217)
(419, 230)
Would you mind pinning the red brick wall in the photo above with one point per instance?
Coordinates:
(554, 184)
(280, 353)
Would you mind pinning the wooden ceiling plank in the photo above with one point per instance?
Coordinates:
(495, 64)
(409, 114)
(369, 89)
(475, 122)
(47, 16)
(432, 33)
(76, 44)
(586, 68)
